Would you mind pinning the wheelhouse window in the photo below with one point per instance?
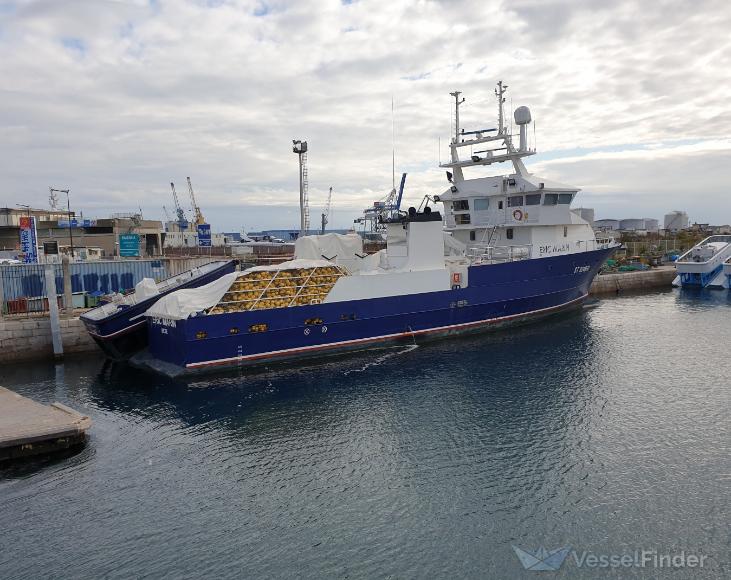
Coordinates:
(509, 233)
(472, 236)
(533, 199)
(460, 205)
(565, 198)
(550, 199)
(500, 204)
(462, 219)
(565, 231)
(515, 201)
(481, 203)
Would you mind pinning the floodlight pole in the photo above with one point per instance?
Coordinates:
(68, 209)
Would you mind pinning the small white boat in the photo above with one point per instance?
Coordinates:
(703, 264)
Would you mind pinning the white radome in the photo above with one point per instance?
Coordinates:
(522, 115)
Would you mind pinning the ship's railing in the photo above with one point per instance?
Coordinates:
(489, 254)
(711, 239)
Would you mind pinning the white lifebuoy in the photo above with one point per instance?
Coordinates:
(518, 215)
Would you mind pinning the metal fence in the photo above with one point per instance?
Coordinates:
(640, 248)
(23, 286)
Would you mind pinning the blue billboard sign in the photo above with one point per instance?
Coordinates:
(28, 240)
(76, 223)
(129, 245)
(204, 235)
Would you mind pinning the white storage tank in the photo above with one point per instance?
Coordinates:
(632, 224)
(606, 224)
(676, 220)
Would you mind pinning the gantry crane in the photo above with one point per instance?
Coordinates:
(197, 215)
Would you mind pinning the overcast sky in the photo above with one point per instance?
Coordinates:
(115, 99)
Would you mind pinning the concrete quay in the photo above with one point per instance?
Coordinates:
(31, 338)
(661, 277)
(29, 428)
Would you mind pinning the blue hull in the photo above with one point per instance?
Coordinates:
(497, 295)
(123, 333)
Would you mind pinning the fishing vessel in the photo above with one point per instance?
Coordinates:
(119, 327)
(703, 265)
(508, 250)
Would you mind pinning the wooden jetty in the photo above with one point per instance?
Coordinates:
(29, 428)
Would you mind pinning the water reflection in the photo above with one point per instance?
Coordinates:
(425, 461)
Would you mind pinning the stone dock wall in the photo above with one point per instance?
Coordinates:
(24, 339)
(648, 280)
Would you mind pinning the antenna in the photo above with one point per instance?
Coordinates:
(393, 147)
(457, 103)
(499, 92)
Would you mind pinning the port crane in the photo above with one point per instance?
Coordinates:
(182, 220)
(197, 214)
(374, 217)
(326, 213)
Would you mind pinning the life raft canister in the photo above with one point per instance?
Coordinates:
(518, 215)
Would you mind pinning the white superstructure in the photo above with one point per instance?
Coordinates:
(507, 217)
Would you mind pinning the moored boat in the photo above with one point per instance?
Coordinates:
(513, 252)
(120, 327)
(703, 264)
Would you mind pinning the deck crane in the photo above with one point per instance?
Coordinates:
(197, 215)
(326, 213)
(182, 220)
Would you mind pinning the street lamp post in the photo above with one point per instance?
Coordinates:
(68, 209)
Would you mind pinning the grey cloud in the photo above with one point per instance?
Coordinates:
(180, 88)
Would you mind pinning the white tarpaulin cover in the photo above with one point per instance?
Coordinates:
(145, 288)
(343, 247)
(291, 265)
(181, 304)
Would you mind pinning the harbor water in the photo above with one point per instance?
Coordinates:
(606, 431)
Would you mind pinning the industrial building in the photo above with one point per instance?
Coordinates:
(90, 238)
(10, 223)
